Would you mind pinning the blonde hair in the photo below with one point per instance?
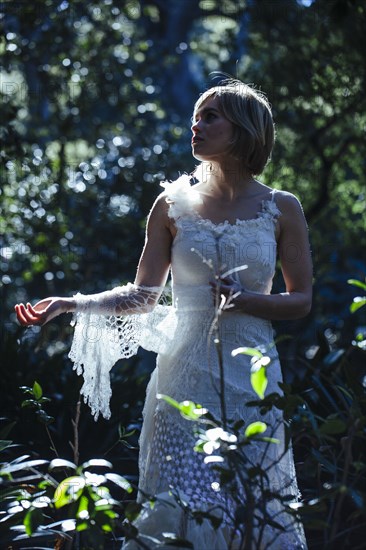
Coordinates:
(248, 109)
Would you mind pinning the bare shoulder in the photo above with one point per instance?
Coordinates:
(288, 204)
(159, 219)
(160, 208)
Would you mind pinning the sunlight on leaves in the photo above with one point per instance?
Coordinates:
(37, 390)
(358, 302)
(255, 428)
(188, 409)
(69, 490)
(247, 351)
(259, 380)
(357, 283)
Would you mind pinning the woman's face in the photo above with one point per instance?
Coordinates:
(213, 134)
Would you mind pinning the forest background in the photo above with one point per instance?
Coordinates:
(96, 101)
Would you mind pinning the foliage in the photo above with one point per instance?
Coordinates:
(41, 507)
(358, 301)
(330, 432)
(37, 400)
(324, 413)
(56, 501)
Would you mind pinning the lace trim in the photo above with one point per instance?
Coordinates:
(182, 198)
(107, 328)
(121, 300)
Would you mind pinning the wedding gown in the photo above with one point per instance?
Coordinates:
(188, 369)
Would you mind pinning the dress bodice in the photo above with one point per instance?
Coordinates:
(203, 249)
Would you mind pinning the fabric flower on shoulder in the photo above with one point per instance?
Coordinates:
(181, 196)
(270, 210)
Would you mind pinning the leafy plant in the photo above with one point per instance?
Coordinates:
(358, 301)
(58, 500)
(39, 505)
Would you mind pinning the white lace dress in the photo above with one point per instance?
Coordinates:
(188, 368)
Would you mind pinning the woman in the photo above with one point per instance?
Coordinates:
(219, 237)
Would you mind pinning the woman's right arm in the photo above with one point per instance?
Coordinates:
(141, 297)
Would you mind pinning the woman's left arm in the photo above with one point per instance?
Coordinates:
(296, 265)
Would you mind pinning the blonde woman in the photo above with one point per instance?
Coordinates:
(219, 235)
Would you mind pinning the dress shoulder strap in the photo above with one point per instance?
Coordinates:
(270, 209)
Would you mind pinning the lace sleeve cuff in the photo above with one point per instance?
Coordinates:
(107, 328)
(121, 300)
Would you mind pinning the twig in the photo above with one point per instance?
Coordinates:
(75, 425)
(53, 447)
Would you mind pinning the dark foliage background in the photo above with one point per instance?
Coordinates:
(96, 101)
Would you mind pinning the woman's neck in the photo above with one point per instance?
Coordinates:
(227, 181)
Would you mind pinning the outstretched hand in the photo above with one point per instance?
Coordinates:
(42, 312)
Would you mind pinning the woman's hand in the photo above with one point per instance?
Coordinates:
(42, 312)
(229, 288)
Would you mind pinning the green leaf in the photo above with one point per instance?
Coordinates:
(16, 466)
(82, 512)
(48, 482)
(188, 409)
(247, 351)
(4, 444)
(37, 390)
(357, 303)
(111, 514)
(32, 519)
(122, 432)
(61, 463)
(69, 490)
(26, 389)
(83, 526)
(355, 282)
(333, 426)
(44, 418)
(169, 400)
(44, 400)
(259, 381)
(255, 428)
(29, 403)
(120, 481)
(19, 459)
(99, 462)
(271, 440)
